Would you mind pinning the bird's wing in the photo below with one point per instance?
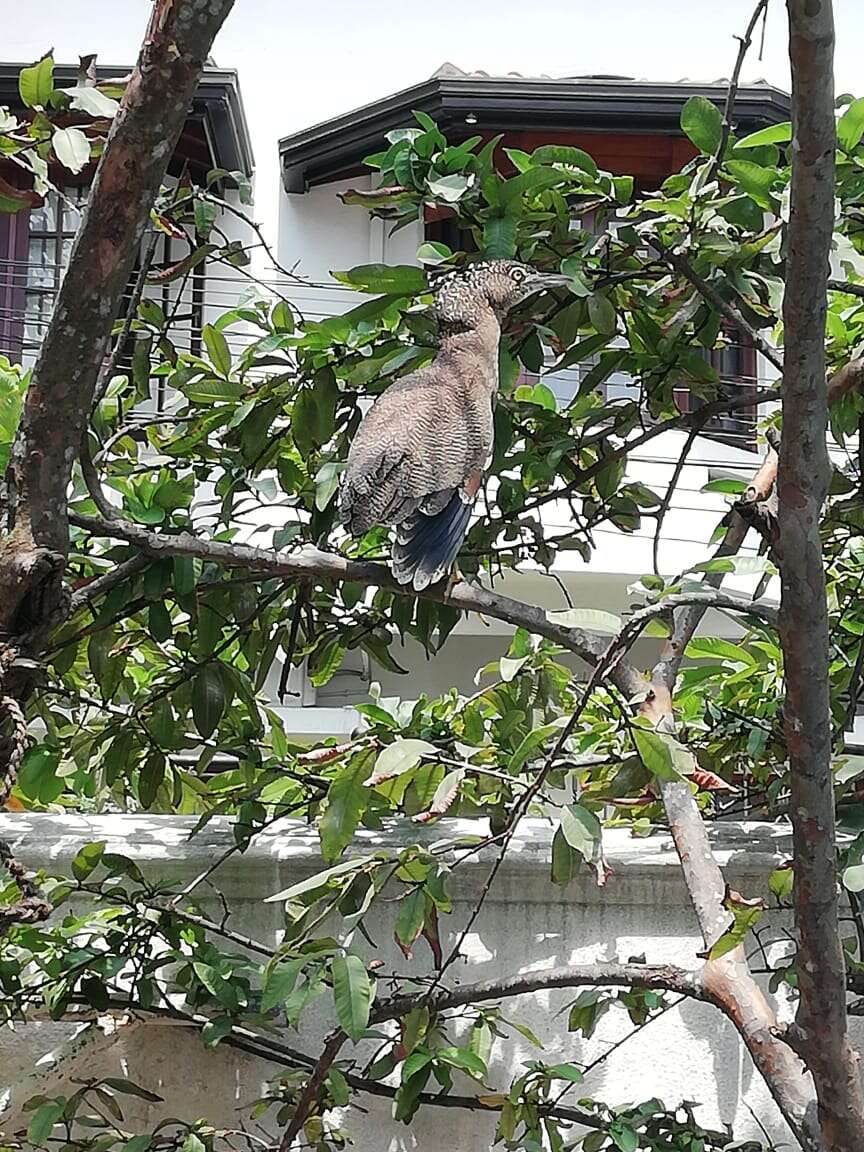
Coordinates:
(419, 443)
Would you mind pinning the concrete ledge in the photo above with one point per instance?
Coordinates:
(643, 869)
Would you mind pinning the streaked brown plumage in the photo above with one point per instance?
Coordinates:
(418, 457)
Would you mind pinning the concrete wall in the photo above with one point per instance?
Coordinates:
(527, 924)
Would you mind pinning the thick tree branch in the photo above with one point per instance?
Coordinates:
(660, 977)
(311, 562)
(57, 404)
(803, 475)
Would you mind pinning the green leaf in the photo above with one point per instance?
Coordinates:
(36, 83)
(42, 1123)
(740, 565)
(584, 1013)
(745, 914)
(385, 279)
(151, 779)
(346, 802)
(208, 700)
(602, 314)
(728, 486)
(138, 1143)
(533, 740)
(72, 148)
(205, 217)
(399, 757)
(565, 859)
(208, 389)
(625, 1138)
(853, 878)
(850, 126)
(216, 1030)
(339, 1089)
(279, 982)
(217, 346)
(87, 859)
(282, 317)
(566, 155)
(714, 647)
(449, 188)
(499, 237)
(565, 1072)
(312, 883)
(409, 922)
(753, 179)
(130, 1088)
(782, 880)
(417, 1060)
(581, 829)
(591, 619)
(462, 1058)
(352, 994)
(655, 752)
(326, 483)
(433, 253)
(702, 124)
(573, 267)
(539, 394)
(186, 572)
(37, 778)
(773, 134)
(91, 101)
(159, 622)
(325, 662)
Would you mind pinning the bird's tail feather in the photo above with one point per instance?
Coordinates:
(426, 546)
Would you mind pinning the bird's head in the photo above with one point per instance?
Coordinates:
(496, 284)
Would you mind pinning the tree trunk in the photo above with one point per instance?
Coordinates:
(803, 472)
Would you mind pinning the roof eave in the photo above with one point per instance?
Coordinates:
(217, 102)
(325, 149)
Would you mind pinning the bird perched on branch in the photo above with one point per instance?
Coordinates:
(418, 457)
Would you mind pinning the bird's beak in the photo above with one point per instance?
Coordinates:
(553, 280)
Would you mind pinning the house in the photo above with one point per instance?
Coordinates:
(35, 243)
(629, 127)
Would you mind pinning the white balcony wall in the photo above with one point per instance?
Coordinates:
(642, 911)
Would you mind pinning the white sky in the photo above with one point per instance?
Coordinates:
(302, 63)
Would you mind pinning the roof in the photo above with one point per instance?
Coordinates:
(515, 103)
(217, 107)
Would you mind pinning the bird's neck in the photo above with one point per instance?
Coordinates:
(474, 334)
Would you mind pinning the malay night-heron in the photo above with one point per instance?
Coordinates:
(418, 458)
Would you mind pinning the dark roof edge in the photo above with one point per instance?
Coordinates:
(217, 101)
(517, 104)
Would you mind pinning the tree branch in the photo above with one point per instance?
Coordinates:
(803, 475)
(661, 977)
(685, 269)
(311, 562)
(760, 11)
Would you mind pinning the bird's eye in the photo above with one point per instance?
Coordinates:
(518, 275)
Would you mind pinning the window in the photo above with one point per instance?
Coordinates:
(52, 229)
(735, 364)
